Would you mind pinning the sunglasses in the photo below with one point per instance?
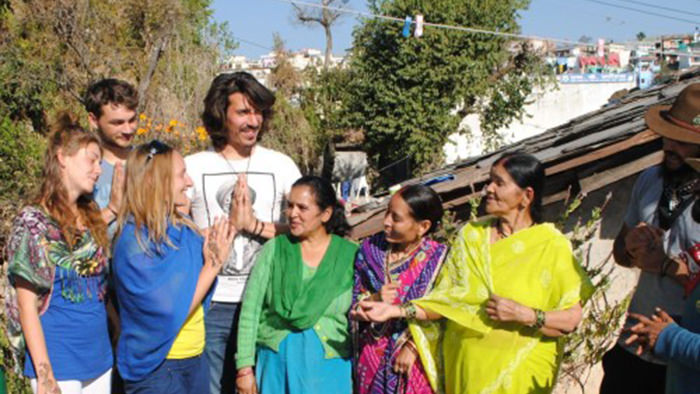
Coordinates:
(156, 147)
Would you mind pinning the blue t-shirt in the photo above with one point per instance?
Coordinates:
(76, 333)
(103, 186)
(102, 192)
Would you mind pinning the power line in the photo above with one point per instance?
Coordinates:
(661, 7)
(465, 29)
(438, 25)
(255, 44)
(644, 12)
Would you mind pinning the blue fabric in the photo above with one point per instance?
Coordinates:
(221, 324)
(680, 345)
(103, 191)
(300, 367)
(103, 186)
(154, 292)
(185, 376)
(75, 333)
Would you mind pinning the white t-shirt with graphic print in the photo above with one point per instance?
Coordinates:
(270, 177)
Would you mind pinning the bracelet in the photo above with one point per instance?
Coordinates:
(246, 372)
(262, 228)
(255, 228)
(539, 319)
(409, 311)
(411, 346)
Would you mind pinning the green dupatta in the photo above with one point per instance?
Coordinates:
(302, 305)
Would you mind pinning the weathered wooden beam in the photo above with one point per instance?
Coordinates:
(373, 222)
(637, 139)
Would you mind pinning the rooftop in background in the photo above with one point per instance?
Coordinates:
(583, 155)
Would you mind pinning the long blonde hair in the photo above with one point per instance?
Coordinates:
(68, 137)
(148, 196)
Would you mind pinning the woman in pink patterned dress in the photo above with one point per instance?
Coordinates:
(396, 266)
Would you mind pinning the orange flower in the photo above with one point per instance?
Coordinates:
(140, 131)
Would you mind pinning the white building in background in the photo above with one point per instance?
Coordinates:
(547, 110)
(300, 60)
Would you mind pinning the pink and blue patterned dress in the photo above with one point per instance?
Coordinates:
(71, 285)
(378, 345)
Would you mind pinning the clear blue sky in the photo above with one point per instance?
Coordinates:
(252, 22)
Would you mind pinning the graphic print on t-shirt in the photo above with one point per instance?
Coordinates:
(217, 189)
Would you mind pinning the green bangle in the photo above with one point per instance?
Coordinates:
(539, 319)
(409, 311)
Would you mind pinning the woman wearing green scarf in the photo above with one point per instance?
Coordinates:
(293, 326)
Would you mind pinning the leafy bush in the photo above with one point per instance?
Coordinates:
(21, 153)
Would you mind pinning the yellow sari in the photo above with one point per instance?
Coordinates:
(467, 352)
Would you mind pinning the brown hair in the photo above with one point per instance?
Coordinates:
(110, 91)
(216, 103)
(68, 137)
(148, 196)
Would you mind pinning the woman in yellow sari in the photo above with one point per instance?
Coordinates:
(510, 288)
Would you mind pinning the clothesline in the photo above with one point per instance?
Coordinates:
(464, 28)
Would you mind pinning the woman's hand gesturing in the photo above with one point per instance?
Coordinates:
(217, 243)
(374, 311)
(506, 310)
(405, 359)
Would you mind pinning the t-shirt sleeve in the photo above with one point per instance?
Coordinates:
(26, 255)
(680, 345)
(290, 174)
(191, 166)
(633, 214)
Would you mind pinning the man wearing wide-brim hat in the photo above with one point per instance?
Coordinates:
(662, 195)
(674, 341)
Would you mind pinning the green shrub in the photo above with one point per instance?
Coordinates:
(21, 151)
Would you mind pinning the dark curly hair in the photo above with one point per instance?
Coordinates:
(110, 90)
(216, 103)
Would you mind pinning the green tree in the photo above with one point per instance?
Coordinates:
(284, 78)
(290, 131)
(52, 49)
(641, 36)
(410, 94)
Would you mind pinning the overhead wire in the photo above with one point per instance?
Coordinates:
(255, 44)
(684, 12)
(466, 29)
(644, 12)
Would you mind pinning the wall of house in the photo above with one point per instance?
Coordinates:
(623, 279)
(548, 109)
